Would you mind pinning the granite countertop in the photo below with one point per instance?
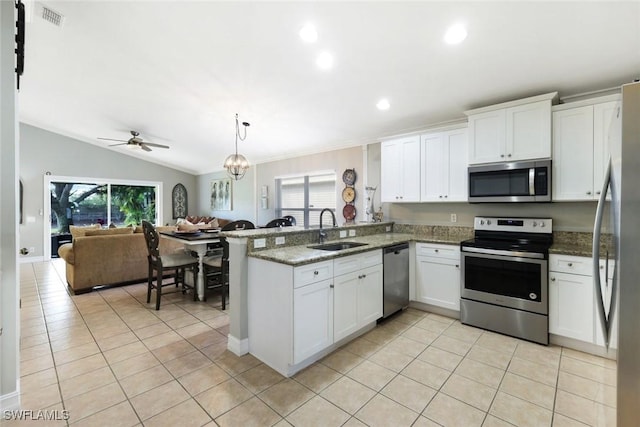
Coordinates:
(584, 250)
(303, 254)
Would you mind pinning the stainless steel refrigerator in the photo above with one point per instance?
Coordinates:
(617, 238)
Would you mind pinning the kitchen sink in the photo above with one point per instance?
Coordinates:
(337, 246)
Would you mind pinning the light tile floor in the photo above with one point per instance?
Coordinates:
(109, 359)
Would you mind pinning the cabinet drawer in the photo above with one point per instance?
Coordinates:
(571, 264)
(440, 251)
(356, 262)
(312, 273)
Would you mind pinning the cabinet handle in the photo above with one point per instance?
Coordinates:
(315, 273)
(457, 266)
(509, 155)
(437, 250)
(597, 192)
(570, 264)
(589, 192)
(553, 279)
(364, 275)
(331, 286)
(501, 155)
(440, 197)
(445, 196)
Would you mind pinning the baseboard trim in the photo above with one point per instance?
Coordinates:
(10, 401)
(237, 346)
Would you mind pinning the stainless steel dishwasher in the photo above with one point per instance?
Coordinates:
(396, 278)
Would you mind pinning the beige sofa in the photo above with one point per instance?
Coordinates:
(109, 257)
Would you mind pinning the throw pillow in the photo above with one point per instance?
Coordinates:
(77, 231)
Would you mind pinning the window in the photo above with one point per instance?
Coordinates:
(303, 197)
(84, 203)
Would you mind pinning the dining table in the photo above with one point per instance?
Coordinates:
(197, 241)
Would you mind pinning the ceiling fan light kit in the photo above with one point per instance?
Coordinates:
(236, 164)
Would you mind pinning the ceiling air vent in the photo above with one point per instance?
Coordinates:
(52, 16)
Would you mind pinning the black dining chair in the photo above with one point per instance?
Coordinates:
(176, 263)
(292, 219)
(216, 273)
(278, 222)
(240, 224)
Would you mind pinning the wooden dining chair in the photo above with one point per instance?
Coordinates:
(216, 273)
(176, 264)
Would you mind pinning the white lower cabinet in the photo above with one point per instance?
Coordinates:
(312, 319)
(572, 299)
(296, 314)
(357, 300)
(438, 275)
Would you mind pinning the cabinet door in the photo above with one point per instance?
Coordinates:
(370, 295)
(573, 154)
(410, 170)
(528, 131)
(487, 137)
(433, 167)
(571, 306)
(345, 300)
(390, 155)
(438, 282)
(602, 120)
(457, 143)
(312, 319)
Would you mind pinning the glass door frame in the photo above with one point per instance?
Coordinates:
(48, 179)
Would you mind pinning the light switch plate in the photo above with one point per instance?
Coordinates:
(352, 233)
(280, 240)
(343, 233)
(259, 243)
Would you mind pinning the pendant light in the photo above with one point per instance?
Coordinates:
(236, 164)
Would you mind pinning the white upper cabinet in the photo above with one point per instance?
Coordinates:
(400, 170)
(581, 149)
(512, 131)
(444, 166)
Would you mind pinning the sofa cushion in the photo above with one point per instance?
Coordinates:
(77, 231)
(109, 231)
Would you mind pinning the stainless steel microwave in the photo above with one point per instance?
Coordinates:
(526, 181)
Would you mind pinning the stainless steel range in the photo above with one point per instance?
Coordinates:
(505, 277)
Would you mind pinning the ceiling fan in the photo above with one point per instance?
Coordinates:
(135, 141)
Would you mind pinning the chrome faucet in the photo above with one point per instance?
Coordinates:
(323, 234)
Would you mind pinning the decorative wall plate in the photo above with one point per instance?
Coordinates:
(349, 176)
(349, 212)
(348, 194)
(179, 201)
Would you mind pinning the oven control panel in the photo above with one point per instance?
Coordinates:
(524, 225)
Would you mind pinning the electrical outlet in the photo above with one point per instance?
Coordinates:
(352, 233)
(280, 240)
(259, 243)
(343, 234)
(388, 228)
(454, 218)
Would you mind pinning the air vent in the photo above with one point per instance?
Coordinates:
(52, 16)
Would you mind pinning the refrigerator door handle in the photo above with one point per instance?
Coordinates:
(604, 321)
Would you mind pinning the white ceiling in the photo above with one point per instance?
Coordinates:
(178, 71)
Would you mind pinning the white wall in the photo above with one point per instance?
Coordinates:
(243, 203)
(9, 273)
(43, 151)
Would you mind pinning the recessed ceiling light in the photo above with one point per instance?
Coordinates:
(308, 33)
(455, 34)
(324, 60)
(383, 104)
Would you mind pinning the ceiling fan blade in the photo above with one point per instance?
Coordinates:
(143, 145)
(115, 145)
(151, 144)
(110, 139)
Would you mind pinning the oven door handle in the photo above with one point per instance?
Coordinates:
(532, 181)
(533, 255)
